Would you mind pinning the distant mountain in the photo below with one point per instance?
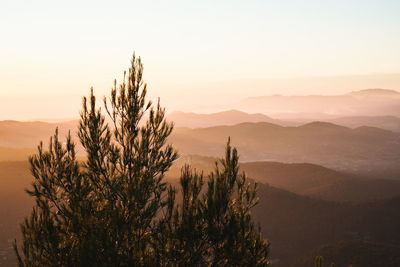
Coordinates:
(230, 117)
(370, 102)
(362, 149)
(391, 123)
(29, 134)
(367, 150)
(376, 92)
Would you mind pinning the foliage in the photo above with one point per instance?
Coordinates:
(115, 209)
(319, 260)
(216, 228)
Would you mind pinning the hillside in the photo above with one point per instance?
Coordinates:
(296, 225)
(15, 204)
(15, 154)
(28, 134)
(364, 150)
(304, 179)
(320, 182)
(358, 253)
(391, 123)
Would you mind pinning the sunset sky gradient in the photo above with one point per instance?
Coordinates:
(52, 52)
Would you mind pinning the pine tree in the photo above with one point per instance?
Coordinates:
(213, 226)
(319, 262)
(116, 209)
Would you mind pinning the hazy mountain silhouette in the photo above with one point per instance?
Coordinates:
(376, 92)
(369, 102)
(230, 117)
(391, 123)
(28, 134)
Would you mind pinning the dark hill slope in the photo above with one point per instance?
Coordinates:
(317, 181)
(15, 154)
(296, 225)
(15, 204)
(304, 179)
(357, 253)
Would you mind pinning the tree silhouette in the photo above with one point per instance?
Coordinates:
(116, 209)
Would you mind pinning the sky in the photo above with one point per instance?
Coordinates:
(195, 53)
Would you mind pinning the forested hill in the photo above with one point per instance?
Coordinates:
(363, 149)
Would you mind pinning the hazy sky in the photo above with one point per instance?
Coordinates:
(51, 52)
